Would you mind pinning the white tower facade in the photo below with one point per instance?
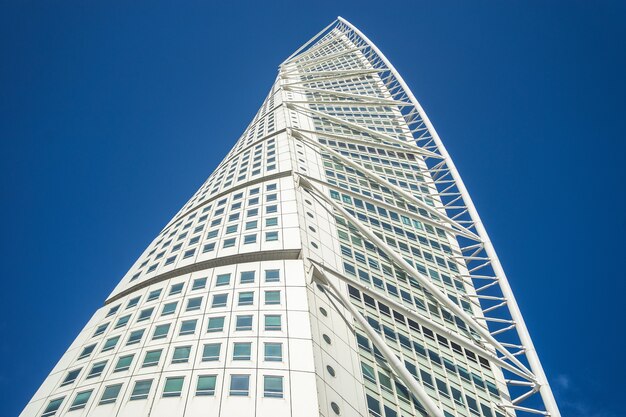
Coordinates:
(333, 264)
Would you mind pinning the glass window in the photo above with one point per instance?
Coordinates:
(161, 331)
(173, 386)
(273, 386)
(272, 275)
(87, 351)
(272, 221)
(246, 298)
(249, 239)
(216, 324)
(187, 327)
(272, 297)
(198, 283)
(135, 337)
(71, 377)
(110, 343)
(181, 354)
(80, 400)
(242, 351)
(110, 394)
(251, 225)
(96, 369)
(211, 352)
(223, 279)
(246, 277)
(229, 243)
(122, 321)
(239, 385)
(244, 323)
(194, 303)
(152, 358)
(272, 322)
(141, 390)
(206, 385)
(145, 314)
(133, 302)
(123, 363)
(100, 329)
(273, 352)
(113, 310)
(271, 236)
(154, 294)
(220, 300)
(52, 407)
(169, 308)
(176, 288)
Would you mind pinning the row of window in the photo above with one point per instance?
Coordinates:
(205, 386)
(272, 322)
(241, 351)
(245, 298)
(246, 277)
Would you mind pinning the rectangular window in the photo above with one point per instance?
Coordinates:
(135, 337)
(187, 327)
(272, 297)
(96, 369)
(271, 236)
(133, 302)
(113, 310)
(154, 294)
(246, 298)
(231, 229)
(249, 239)
(229, 243)
(181, 354)
(141, 390)
(152, 358)
(145, 314)
(161, 331)
(219, 300)
(100, 329)
(273, 352)
(272, 275)
(110, 343)
(242, 351)
(176, 288)
(189, 253)
(209, 247)
(169, 308)
(244, 323)
(194, 303)
(173, 386)
(80, 400)
(271, 209)
(206, 385)
(198, 283)
(110, 394)
(211, 352)
(223, 279)
(216, 324)
(272, 322)
(273, 386)
(52, 407)
(123, 363)
(251, 225)
(272, 221)
(239, 385)
(71, 377)
(247, 277)
(87, 351)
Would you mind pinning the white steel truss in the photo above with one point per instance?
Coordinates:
(500, 327)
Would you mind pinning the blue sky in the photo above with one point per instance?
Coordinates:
(113, 113)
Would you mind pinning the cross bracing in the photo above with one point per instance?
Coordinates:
(323, 93)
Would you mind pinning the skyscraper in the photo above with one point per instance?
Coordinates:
(333, 264)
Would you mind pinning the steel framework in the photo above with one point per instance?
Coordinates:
(499, 331)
